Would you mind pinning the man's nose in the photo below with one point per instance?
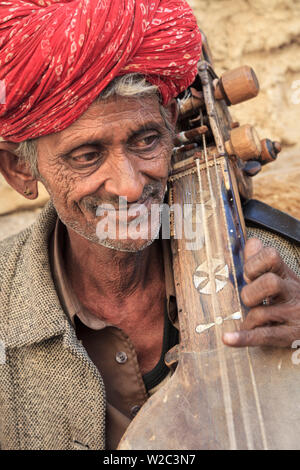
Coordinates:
(124, 180)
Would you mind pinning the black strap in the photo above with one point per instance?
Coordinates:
(161, 370)
(258, 213)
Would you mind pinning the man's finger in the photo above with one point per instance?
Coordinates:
(267, 259)
(277, 336)
(252, 247)
(267, 285)
(263, 316)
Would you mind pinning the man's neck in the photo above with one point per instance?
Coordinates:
(126, 290)
(113, 279)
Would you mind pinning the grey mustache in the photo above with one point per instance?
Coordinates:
(91, 203)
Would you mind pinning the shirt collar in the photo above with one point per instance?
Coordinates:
(68, 299)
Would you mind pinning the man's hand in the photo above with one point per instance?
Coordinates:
(273, 297)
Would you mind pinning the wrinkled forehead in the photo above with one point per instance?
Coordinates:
(105, 117)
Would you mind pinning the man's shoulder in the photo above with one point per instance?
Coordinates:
(13, 243)
(29, 307)
(30, 240)
(11, 248)
(10, 259)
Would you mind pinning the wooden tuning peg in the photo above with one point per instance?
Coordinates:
(270, 151)
(236, 86)
(244, 143)
(192, 104)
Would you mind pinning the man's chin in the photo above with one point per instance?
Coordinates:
(127, 246)
(90, 231)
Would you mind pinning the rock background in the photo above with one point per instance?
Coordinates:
(16, 212)
(264, 34)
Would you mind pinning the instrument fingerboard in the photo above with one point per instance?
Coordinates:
(207, 250)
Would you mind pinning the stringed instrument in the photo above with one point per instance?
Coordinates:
(218, 397)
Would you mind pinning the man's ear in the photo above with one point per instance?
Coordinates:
(16, 172)
(172, 107)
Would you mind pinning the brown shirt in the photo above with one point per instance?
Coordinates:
(111, 349)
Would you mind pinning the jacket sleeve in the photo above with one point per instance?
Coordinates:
(290, 252)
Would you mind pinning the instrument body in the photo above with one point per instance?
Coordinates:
(218, 397)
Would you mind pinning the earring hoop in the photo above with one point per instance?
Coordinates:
(27, 192)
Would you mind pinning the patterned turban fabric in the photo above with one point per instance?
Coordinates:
(57, 56)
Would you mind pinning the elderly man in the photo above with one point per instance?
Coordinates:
(83, 320)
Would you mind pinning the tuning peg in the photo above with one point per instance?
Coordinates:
(252, 168)
(236, 86)
(270, 151)
(193, 135)
(192, 104)
(233, 125)
(244, 143)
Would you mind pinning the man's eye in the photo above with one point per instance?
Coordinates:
(84, 160)
(146, 142)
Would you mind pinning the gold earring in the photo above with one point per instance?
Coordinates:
(27, 192)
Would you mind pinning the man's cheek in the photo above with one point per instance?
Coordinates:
(161, 165)
(66, 187)
(64, 197)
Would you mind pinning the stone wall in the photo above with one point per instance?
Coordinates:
(264, 34)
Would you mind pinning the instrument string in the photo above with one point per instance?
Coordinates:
(216, 310)
(239, 370)
(220, 251)
(246, 419)
(258, 405)
(236, 354)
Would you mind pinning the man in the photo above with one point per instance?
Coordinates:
(79, 311)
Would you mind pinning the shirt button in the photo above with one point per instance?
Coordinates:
(134, 410)
(121, 357)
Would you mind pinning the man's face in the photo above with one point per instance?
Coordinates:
(119, 148)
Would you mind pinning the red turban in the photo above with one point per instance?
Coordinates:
(56, 56)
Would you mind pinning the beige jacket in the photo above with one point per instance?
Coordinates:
(51, 394)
